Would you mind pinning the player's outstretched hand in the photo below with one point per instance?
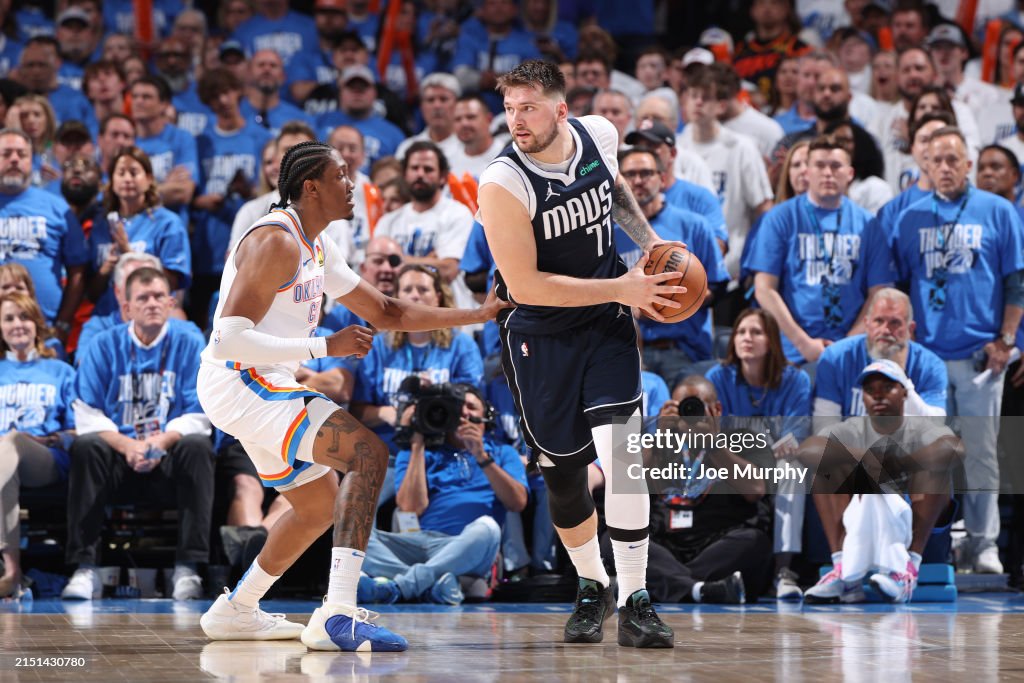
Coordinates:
(492, 305)
(354, 340)
(644, 291)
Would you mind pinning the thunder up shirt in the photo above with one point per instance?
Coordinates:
(156, 231)
(824, 266)
(380, 137)
(39, 231)
(98, 324)
(221, 156)
(458, 489)
(35, 398)
(131, 384)
(169, 148)
(956, 256)
(692, 335)
(382, 370)
(284, 36)
(840, 365)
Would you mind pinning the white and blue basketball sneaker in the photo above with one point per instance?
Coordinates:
(345, 628)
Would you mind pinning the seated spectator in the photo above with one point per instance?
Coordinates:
(438, 357)
(141, 431)
(135, 221)
(37, 391)
(262, 103)
(756, 380)
(459, 491)
(709, 543)
(380, 267)
(878, 531)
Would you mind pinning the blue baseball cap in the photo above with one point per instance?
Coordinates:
(886, 368)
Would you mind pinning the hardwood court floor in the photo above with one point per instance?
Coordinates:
(979, 639)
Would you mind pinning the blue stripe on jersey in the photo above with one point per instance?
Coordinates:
(267, 391)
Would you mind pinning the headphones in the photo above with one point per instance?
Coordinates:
(488, 420)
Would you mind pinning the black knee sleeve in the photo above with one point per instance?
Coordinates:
(569, 497)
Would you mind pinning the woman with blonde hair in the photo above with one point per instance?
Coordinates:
(35, 410)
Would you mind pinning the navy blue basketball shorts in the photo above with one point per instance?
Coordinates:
(565, 383)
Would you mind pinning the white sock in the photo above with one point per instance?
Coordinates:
(697, 587)
(345, 566)
(587, 560)
(631, 566)
(837, 558)
(915, 559)
(253, 585)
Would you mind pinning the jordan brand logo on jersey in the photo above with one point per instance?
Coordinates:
(621, 312)
(551, 193)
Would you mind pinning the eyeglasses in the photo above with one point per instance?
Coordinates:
(642, 174)
(393, 260)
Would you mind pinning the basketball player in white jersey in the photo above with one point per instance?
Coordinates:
(270, 300)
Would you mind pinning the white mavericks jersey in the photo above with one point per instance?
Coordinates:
(295, 310)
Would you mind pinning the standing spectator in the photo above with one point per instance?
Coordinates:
(117, 47)
(37, 71)
(171, 150)
(740, 117)
(39, 231)
(432, 229)
(312, 67)
(276, 28)
(867, 190)
(784, 93)
(671, 350)
(80, 185)
(774, 36)
(477, 146)
(357, 93)
(909, 24)
(813, 269)
(37, 391)
(975, 251)
(884, 89)
(437, 104)
(173, 63)
(739, 172)
(190, 28)
(78, 39)
(141, 429)
(134, 221)
(262, 103)
(229, 158)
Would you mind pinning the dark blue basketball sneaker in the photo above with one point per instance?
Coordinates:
(343, 628)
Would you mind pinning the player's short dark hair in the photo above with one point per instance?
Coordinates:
(945, 117)
(1011, 158)
(426, 146)
(534, 73)
(215, 81)
(163, 91)
(632, 151)
(304, 161)
(144, 276)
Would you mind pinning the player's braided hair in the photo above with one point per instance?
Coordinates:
(302, 162)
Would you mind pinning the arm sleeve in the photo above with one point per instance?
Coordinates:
(234, 339)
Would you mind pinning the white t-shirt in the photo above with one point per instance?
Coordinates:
(443, 229)
(1015, 145)
(449, 145)
(690, 167)
(870, 194)
(996, 121)
(764, 130)
(461, 163)
(741, 184)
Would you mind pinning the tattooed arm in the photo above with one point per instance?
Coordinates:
(626, 212)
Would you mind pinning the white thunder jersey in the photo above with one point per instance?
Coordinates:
(295, 309)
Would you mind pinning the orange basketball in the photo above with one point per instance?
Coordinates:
(667, 258)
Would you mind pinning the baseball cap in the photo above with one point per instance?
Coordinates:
(698, 55)
(652, 131)
(231, 47)
(73, 133)
(887, 368)
(717, 39)
(882, 5)
(358, 71)
(946, 33)
(1018, 94)
(73, 14)
(848, 32)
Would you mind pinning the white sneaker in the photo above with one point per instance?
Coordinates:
(187, 584)
(84, 585)
(227, 621)
(987, 561)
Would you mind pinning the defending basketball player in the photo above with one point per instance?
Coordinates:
(270, 301)
(569, 346)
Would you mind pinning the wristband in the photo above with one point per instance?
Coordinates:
(486, 462)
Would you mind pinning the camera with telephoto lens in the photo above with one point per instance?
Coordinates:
(438, 411)
(691, 406)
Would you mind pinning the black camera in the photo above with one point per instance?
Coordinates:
(691, 406)
(438, 411)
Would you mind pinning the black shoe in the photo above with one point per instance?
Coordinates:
(640, 626)
(594, 604)
(727, 591)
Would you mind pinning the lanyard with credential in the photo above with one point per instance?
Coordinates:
(820, 234)
(425, 358)
(137, 376)
(944, 235)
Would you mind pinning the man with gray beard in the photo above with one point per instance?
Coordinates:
(890, 326)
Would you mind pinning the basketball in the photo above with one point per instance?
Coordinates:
(669, 258)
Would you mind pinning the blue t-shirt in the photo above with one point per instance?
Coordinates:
(367, 29)
(656, 392)
(39, 231)
(626, 18)
(276, 117)
(169, 148)
(10, 53)
(380, 137)
(457, 489)
(506, 416)
(890, 211)
(791, 400)
(339, 318)
(312, 64)
(158, 232)
(840, 366)
(98, 324)
(221, 156)
(692, 335)
(956, 272)
(119, 16)
(394, 74)
(797, 242)
(35, 398)
(193, 115)
(31, 21)
(792, 122)
(701, 201)
(477, 50)
(124, 381)
(285, 36)
(382, 370)
(71, 105)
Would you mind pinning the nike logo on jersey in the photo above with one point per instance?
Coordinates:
(551, 193)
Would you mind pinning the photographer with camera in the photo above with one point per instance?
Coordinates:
(454, 484)
(709, 537)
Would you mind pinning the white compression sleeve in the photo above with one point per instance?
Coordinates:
(236, 340)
